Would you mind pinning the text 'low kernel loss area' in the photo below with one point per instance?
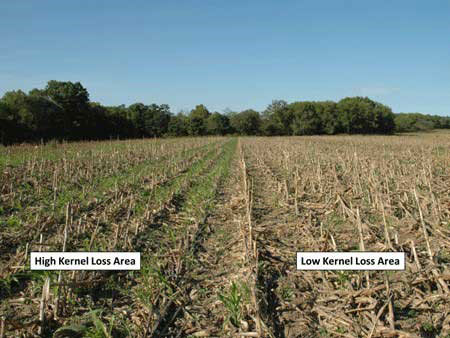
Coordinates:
(350, 260)
(85, 260)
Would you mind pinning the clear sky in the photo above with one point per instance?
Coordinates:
(232, 54)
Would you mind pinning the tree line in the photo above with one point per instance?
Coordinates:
(410, 122)
(63, 111)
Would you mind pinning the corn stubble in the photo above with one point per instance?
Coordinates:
(218, 222)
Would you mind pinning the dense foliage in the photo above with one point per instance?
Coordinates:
(405, 122)
(62, 110)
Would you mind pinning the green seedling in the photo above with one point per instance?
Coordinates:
(100, 330)
(232, 301)
(286, 293)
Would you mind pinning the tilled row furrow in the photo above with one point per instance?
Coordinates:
(177, 239)
(286, 306)
(219, 281)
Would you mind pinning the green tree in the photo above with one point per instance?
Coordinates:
(120, 123)
(73, 101)
(217, 124)
(197, 120)
(410, 122)
(44, 122)
(279, 117)
(178, 125)
(33, 116)
(17, 106)
(385, 119)
(137, 113)
(362, 115)
(156, 120)
(9, 127)
(328, 114)
(306, 120)
(247, 122)
(352, 114)
(200, 111)
(5, 113)
(270, 127)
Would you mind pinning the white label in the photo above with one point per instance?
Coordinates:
(350, 261)
(85, 261)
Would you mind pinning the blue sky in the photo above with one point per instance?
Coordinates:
(232, 54)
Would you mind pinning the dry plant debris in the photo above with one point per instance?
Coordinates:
(218, 222)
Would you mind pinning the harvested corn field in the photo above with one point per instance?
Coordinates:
(218, 222)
